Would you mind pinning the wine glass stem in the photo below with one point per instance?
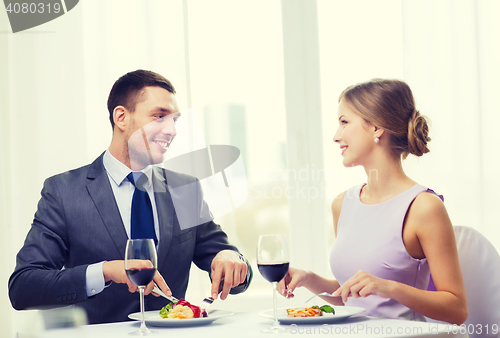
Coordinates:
(143, 324)
(275, 304)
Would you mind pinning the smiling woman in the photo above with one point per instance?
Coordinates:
(390, 232)
(389, 105)
(377, 107)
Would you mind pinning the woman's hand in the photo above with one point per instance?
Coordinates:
(294, 278)
(363, 284)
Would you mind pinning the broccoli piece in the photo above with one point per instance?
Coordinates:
(166, 309)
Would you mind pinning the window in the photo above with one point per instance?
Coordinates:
(355, 45)
(237, 90)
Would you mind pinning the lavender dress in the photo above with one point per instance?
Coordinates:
(369, 238)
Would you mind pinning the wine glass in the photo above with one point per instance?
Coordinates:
(273, 260)
(140, 265)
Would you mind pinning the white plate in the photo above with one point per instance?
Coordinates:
(341, 313)
(153, 318)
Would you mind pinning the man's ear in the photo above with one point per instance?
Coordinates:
(120, 117)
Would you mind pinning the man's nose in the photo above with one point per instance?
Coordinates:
(168, 127)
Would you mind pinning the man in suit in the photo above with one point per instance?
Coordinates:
(74, 251)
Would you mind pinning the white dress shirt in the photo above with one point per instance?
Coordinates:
(123, 190)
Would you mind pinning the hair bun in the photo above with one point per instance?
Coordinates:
(418, 137)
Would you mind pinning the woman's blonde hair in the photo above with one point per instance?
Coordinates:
(389, 104)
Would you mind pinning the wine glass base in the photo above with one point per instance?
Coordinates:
(142, 332)
(275, 329)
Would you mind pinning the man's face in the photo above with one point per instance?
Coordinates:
(151, 127)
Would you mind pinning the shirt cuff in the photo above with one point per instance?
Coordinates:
(95, 279)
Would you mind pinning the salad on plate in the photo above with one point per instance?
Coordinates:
(182, 310)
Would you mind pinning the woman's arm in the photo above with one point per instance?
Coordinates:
(428, 229)
(429, 220)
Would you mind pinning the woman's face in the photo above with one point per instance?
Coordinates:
(354, 135)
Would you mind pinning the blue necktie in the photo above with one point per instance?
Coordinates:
(142, 223)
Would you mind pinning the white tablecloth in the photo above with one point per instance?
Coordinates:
(250, 324)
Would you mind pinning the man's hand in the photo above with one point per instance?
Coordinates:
(115, 271)
(228, 266)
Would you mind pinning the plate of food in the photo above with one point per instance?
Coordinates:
(182, 313)
(313, 314)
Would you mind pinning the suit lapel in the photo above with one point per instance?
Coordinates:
(166, 214)
(100, 191)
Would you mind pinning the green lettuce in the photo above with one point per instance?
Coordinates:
(327, 308)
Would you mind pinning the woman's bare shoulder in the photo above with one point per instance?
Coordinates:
(429, 213)
(428, 204)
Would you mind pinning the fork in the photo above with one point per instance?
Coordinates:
(322, 294)
(158, 291)
(205, 303)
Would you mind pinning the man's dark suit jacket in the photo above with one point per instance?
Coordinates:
(78, 223)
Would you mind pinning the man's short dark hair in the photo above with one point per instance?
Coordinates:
(128, 89)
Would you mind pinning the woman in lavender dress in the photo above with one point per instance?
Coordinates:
(391, 233)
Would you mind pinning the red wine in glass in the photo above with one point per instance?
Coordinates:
(140, 266)
(273, 272)
(141, 277)
(273, 260)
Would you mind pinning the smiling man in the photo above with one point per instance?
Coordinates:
(73, 253)
(143, 126)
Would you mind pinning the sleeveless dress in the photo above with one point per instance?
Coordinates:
(369, 238)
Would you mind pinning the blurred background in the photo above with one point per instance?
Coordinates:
(262, 75)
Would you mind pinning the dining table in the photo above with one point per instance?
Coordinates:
(252, 323)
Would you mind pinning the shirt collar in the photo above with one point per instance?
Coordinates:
(119, 171)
